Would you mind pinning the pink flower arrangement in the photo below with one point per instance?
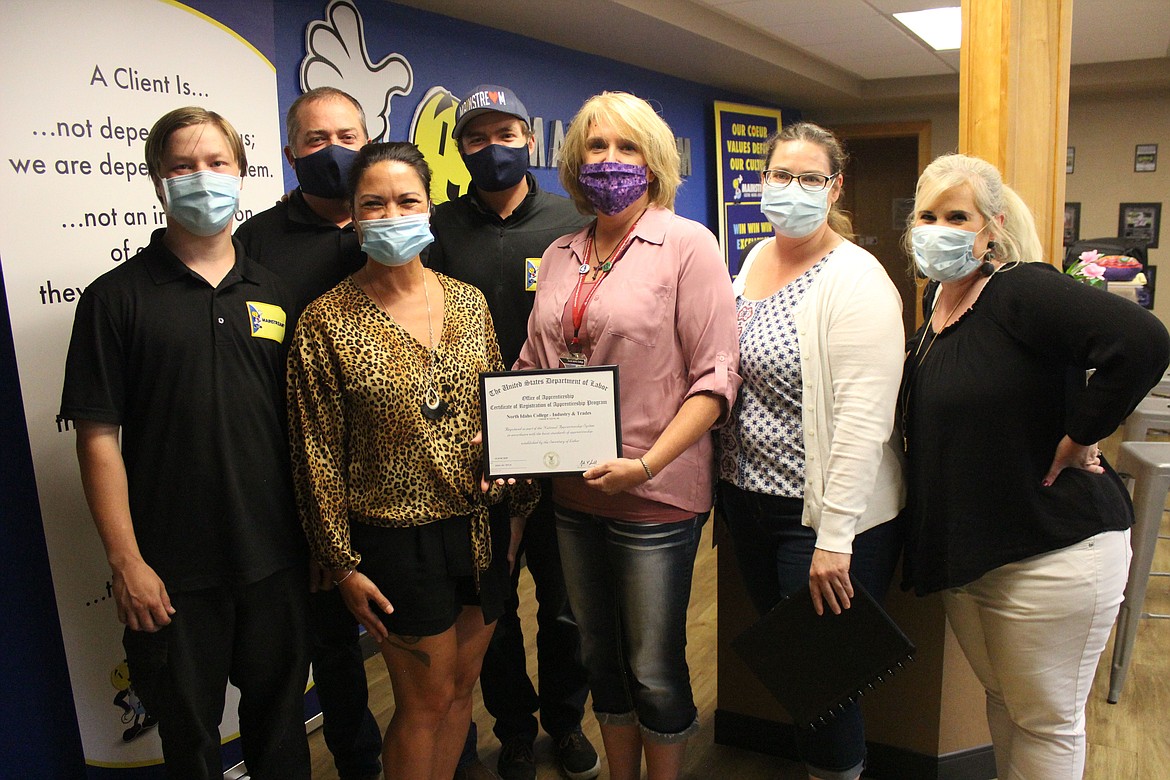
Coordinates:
(1087, 270)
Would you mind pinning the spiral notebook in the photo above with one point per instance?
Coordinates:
(815, 664)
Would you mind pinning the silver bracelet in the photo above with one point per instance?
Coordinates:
(348, 574)
(649, 473)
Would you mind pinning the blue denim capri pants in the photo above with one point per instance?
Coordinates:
(629, 585)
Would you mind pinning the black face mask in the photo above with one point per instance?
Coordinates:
(497, 167)
(325, 172)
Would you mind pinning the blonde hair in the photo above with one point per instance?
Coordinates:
(156, 142)
(634, 118)
(1016, 240)
(838, 219)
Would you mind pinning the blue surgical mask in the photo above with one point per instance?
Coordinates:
(794, 211)
(396, 240)
(944, 254)
(497, 167)
(203, 202)
(325, 172)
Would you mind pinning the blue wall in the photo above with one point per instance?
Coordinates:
(552, 81)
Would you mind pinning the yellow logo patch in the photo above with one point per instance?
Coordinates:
(531, 266)
(267, 321)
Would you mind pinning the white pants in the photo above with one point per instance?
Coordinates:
(1033, 632)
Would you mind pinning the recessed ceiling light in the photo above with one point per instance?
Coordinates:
(941, 28)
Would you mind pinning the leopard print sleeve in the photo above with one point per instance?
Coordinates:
(318, 442)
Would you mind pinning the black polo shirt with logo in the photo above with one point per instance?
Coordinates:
(194, 375)
(309, 253)
(473, 245)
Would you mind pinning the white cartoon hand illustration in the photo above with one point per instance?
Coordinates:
(336, 56)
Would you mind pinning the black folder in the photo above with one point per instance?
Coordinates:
(816, 664)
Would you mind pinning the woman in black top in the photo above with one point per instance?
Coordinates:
(1015, 515)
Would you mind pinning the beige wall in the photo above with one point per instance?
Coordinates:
(944, 122)
(1104, 130)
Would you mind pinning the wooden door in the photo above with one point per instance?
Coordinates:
(879, 195)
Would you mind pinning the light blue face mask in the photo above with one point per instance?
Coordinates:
(944, 254)
(396, 240)
(794, 211)
(203, 202)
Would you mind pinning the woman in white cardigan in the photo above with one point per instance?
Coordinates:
(810, 467)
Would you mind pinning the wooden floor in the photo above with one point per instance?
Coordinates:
(1128, 740)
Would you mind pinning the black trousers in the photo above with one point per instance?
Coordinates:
(339, 674)
(508, 693)
(251, 635)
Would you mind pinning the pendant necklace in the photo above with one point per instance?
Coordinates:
(604, 267)
(919, 356)
(433, 406)
(576, 355)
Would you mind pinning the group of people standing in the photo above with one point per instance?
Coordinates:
(323, 367)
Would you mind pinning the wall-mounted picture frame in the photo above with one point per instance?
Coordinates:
(1070, 159)
(1145, 158)
(1072, 223)
(1140, 222)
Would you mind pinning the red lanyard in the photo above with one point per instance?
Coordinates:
(579, 306)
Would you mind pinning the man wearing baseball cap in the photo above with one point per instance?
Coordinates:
(493, 237)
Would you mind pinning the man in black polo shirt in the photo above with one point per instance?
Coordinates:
(180, 353)
(493, 237)
(309, 242)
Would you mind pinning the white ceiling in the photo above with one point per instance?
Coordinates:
(863, 37)
(818, 55)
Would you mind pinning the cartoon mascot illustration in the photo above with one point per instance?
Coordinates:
(336, 56)
(133, 711)
(430, 131)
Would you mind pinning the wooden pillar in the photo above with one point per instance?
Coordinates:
(1013, 100)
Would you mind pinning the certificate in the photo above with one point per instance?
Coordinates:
(549, 422)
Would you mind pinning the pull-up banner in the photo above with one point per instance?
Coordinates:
(83, 82)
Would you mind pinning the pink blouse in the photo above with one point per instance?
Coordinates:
(666, 317)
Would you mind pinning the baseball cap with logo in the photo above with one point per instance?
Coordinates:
(484, 99)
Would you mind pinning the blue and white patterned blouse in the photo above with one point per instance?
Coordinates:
(762, 446)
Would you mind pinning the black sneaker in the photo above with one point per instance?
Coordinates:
(516, 761)
(576, 757)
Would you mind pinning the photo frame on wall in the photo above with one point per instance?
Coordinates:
(1140, 222)
(1072, 223)
(1145, 158)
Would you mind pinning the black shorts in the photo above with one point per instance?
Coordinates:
(427, 572)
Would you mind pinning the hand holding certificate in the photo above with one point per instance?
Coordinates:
(545, 423)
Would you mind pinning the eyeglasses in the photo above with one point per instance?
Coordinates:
(810, 182)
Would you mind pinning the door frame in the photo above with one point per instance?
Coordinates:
(918, 130)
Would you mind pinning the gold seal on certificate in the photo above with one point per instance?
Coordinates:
(544, 423)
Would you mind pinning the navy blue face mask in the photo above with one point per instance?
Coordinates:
(497, 167)
(325, 172)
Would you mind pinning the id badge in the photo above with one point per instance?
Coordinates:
(573, 360)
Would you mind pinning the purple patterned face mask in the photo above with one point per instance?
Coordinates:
(612, 186)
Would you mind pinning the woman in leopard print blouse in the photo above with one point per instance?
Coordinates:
(383, 406)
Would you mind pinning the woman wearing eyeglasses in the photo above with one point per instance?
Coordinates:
(811, 476)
